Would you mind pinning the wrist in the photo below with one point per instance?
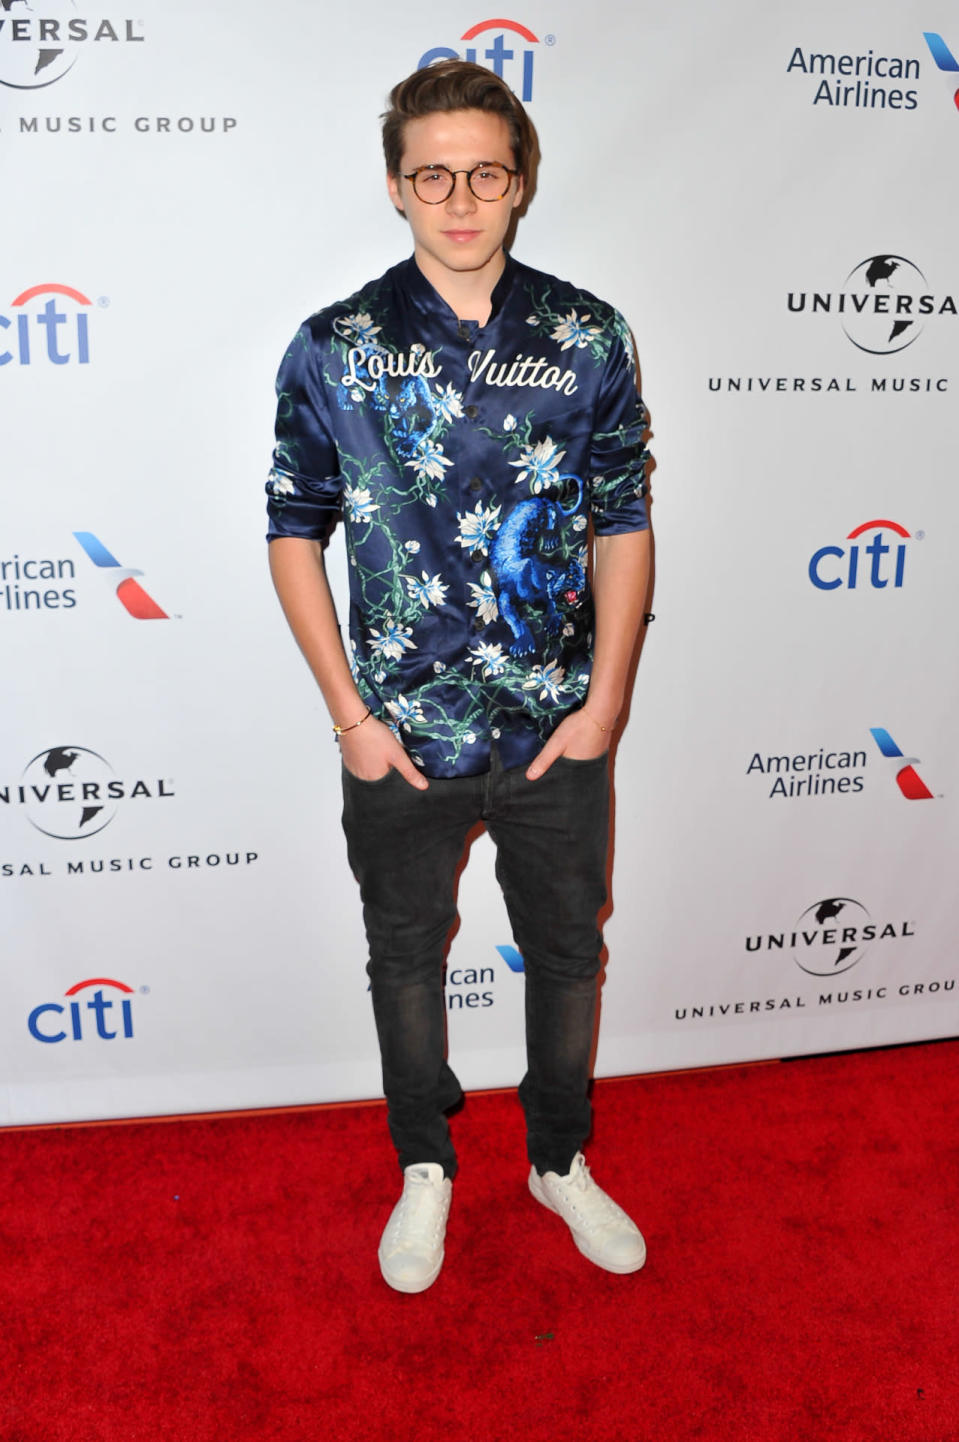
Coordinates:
(604, 723)
(340, 729)
(603, 706)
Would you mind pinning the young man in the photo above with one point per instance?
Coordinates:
(470, 416)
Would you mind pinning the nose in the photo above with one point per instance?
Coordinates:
(461, 201)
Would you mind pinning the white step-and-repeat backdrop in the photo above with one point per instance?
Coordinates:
(769, 195)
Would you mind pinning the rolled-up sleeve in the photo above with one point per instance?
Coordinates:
(304, 485)
(618, 454)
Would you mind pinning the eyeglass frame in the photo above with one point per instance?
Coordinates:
(411, 177)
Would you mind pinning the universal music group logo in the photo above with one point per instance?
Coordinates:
(70, 792)
(42, 40)
(882, 308)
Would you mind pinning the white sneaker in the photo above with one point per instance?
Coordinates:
(601, 1230)
(411, 1248)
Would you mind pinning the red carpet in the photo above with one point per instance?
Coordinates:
(215, 1280)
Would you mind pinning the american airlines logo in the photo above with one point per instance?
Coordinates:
(132, 597)
(908, 780)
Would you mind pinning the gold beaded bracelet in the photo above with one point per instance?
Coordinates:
(339, 731)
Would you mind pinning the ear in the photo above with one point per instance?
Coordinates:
(517, 198)
(393, 188)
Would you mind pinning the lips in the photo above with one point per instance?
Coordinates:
(461, 236)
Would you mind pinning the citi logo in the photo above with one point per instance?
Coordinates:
(508, 49)
(131, 595)
(942, 55)
(47, 329)
(877, 564)
(908, 780)
(105, 1017)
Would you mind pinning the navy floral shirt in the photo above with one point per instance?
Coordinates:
(467, 463)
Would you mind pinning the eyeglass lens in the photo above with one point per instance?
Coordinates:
(435, 184)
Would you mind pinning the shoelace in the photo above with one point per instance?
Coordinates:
(591, 1205)
(420, 1212)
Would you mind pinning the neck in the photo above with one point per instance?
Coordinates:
(468, 293)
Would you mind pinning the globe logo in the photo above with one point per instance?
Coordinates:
(828, 938)
(67, 792)
(880, 304)
(36, 48)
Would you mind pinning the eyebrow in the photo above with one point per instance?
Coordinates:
(441, 165)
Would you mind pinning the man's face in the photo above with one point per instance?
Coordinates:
(461, 234)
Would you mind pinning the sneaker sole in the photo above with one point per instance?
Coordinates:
(619, 1268)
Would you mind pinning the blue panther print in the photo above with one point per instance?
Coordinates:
(412, 413)
(534, 571)
(411, 408)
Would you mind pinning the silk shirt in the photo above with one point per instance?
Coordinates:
(467, 464)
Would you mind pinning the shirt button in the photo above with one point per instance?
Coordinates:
(472, 412)
(476, 484)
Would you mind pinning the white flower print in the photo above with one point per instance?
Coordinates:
(491, 659)
(539, 465)
(580, 523)
(411, 546)
(359, 503)
(406, 713)
(280, 483)
(429, 591)
(573, 331)
(509, 424)
(550, 677)
(484, 600)
(357, 328)
(392, 641)
(449, 403)
(477, 528)
(429, 461)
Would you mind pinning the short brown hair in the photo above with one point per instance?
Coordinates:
(454, 85)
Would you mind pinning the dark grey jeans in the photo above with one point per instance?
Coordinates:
(551, 844)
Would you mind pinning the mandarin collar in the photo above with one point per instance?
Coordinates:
(427, 298)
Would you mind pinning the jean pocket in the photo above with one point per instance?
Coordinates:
(597, 761)
(353, 780)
